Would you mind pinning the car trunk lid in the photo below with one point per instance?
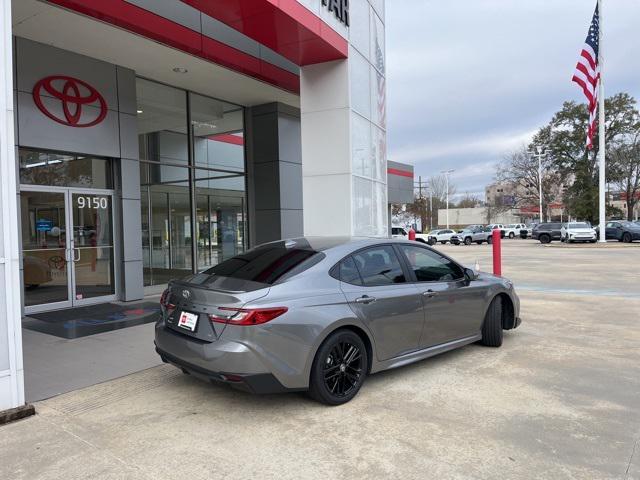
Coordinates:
(203, 295)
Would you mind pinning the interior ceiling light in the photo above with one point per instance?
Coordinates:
(180, 70)
(139, 111)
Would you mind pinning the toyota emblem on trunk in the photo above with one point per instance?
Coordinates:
(186, 294)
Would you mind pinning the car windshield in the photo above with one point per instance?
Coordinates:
(434, 232)
(511, 226)
(579, 225)
(626, 223)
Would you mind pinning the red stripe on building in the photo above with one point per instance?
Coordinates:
(401, 173)
(227, 138)
(285, 26)
(149, 25)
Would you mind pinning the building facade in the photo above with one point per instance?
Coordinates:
(143, 140)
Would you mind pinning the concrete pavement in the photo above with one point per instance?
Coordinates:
(559, 400)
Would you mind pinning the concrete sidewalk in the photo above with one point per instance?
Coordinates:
(559, 400)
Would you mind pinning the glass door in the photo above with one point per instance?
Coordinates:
(92, 246)
(68, 248)
(45, 250)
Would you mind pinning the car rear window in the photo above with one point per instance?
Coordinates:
(267, 264)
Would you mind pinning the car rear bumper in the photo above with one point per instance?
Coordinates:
(260, 383)
(222, 361)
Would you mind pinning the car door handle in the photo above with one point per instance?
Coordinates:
(365, 299)
(429, 293)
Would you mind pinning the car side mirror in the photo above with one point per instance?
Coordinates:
(470, 275)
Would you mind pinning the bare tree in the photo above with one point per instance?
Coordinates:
(438, 187)
(520, 170)
(625, 159)
(469, 201)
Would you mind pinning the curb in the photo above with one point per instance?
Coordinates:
(18, 413)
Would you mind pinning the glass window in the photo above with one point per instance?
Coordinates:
(166, 222)
(218, 133)
(64, 170)
(430, 266)
(218, 173)
(220, 216)
(349, 272)
(162, 123)
(379, 266)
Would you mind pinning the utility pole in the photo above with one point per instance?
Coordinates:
(446, 175)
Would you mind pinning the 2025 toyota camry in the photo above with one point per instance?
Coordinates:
(320, 314)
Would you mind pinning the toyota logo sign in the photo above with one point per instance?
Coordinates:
(73, 94)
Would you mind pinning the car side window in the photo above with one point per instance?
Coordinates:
(379, 266)
(349, 272)
(430, 266)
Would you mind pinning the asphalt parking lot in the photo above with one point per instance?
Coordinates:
(559, 400)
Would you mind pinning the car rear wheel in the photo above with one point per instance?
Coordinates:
(492, 326)
(490, 239)
(339, 368)
(467, 241)
(626, 238)
(544, 239)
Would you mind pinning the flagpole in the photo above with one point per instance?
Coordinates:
(601, 130)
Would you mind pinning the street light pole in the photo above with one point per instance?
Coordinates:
(446, 176)
(539, 155)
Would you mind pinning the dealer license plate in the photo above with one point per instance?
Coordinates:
(188, 321)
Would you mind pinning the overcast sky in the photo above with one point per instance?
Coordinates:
(470, 80)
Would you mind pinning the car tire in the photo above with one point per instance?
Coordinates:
(626, 238)
(512, 235)
(544, 238)
(467, 241)
(492, 326)
(490, 239)
(328, 366)
(443, 243)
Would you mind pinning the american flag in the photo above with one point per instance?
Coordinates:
(587, 74)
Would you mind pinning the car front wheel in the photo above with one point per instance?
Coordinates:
(492, 326)
(626, 238)
(544, 239)
(467, 241)
(512, 235)
(339, 368)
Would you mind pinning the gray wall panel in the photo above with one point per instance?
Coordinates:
(132, 231)
(290, 221)
(36, 61)
(39, 131)
(290, 185)
(175, 10)
(133, 277)
(130, 178)
(229, 36)
(128, 136)
(126, 90)
(290, 139)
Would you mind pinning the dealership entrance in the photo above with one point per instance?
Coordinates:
(67, 230)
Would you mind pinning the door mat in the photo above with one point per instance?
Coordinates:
(84, 321)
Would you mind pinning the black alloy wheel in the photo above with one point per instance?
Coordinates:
(626, 238)
(544, 238)
(467, 241)
(339, 368)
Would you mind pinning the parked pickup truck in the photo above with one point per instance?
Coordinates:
(513, 230)
(401, 232)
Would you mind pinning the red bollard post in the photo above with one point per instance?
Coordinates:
(412, 234)
(497, 252)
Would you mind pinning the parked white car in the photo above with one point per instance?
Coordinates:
(499, 226)
(440, 236)
(513, 230)
(578, 232)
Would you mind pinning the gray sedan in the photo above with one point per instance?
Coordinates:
(320, 314)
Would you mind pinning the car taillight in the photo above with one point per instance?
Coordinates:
(164, 300)
(248, 316)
